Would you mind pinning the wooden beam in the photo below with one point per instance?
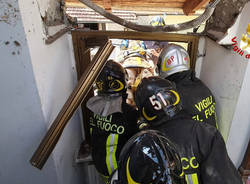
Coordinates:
(79, 93)
(245, 165)
(82, 60)
(134, 35)
(145, 1)
(192, 40)
(190, 6)
(107, 5)
(135, 5)
(131, 4)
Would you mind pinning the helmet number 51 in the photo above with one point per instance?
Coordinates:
(155, 103)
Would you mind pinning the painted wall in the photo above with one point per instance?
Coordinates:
(227, 74)
(36, 79)
(55, 79)
(21, 119)
(239, 134)
(223, 72)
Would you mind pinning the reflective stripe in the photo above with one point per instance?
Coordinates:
(107, 154)
(191, 178)
(114, 151)
(111, 146)
(195, 178)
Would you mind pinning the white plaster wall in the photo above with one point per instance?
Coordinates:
(21, 119)
(227, 74)
(223, 72)
(36, 79)
(55, 80)
(240, 129)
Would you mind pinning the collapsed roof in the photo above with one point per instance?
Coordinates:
(224, 16)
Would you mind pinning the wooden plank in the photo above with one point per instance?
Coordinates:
(82, 59)
(134, 35)
(107, 5)
(136, 4)
(146, 1)
(192, 51)
(245, 165)
(96, 41)
(190, 6)
(137, 8)
(192, 40)
(79, 93)
(133, 5)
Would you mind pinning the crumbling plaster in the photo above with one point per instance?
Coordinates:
(50, 11)
(223, 18)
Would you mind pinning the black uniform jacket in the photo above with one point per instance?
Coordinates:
(202, 149)
(196, 98)
(108, 136)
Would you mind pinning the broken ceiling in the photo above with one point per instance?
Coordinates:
(176, 6)
(222, 19)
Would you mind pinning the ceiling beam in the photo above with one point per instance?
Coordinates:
(107, 5)
(132, 4)
(190, 6)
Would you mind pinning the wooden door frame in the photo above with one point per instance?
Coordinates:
(84, 40)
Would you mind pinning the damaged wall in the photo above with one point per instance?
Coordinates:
(22, 122)
(50, 11)
(55, 79)
(239, 134)
(36, 79)
(223, 71)
(227, 74)
(238, 28)
(223, 18)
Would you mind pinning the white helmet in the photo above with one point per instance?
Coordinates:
(174, 58)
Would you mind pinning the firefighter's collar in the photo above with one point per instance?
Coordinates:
(105, 105)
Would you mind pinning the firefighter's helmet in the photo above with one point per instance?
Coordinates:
(157, 98)
(173, 59)
(112, 79)
(149, 157)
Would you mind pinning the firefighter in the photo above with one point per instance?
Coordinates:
(113, 121)
(174, 65)
(149, 157)
(201, 147)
